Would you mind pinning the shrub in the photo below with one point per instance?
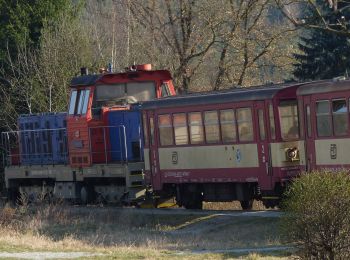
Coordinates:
(317, 218)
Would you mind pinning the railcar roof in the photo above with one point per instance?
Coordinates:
(225, 96)
(324, 86)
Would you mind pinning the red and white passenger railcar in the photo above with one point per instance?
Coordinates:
(239, 144)
(326, 115)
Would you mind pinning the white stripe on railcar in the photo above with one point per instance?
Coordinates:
(207, 157)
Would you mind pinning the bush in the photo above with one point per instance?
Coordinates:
(317, 218)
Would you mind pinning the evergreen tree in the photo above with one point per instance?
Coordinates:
(323, 54)
(21, 22)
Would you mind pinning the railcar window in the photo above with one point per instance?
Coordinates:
(196, 128)
(272, 123)
(245, 124)
(165, 130)
(228, 127)
(151, 127)
(323, 118)
(145, 132)
(308, 120)
(180, 129)
(211, 122)
(288, 112)
(261, 124)
(340, 117)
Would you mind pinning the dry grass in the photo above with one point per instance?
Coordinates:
(125, 234)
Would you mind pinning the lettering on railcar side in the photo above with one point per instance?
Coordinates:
(238, 155)
(174, 158)
(333, 151)
(176, 174)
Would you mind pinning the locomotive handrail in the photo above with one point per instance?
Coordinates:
(106, 151)
(8, 156)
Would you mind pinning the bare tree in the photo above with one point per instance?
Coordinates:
(317, 18)
(249, 41)
(184, 26)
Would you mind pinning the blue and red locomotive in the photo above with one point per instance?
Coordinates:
(95, 151)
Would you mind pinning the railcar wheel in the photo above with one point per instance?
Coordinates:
(271, 203)
(194, 205)
(196, 202)
(247, 204)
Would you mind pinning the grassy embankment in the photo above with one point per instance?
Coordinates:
(133, 234)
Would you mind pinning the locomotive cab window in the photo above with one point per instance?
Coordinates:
(73, 98)
(79, 102)
(165, 92)
(288, 113)
(124, 93)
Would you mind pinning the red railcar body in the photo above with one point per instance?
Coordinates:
(223, 146)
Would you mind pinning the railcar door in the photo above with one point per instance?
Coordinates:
(309, 134)
(153, 152)
(265, 178)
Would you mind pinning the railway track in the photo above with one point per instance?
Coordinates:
(176, 211)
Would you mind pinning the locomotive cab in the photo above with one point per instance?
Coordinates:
(97, 100)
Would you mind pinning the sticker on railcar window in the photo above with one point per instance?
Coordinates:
(238, 155)
(333, 151)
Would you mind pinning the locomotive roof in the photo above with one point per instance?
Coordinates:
(324, 86)
(225, 96)
(92, 79)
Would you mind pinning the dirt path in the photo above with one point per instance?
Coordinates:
(46, 255)
(240, 250)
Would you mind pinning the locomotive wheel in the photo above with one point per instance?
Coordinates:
(13, 195)
(87, 194)
(247, 204)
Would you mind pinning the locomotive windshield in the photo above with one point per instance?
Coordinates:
(132, 92)
(288, 113)
(79, 100)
